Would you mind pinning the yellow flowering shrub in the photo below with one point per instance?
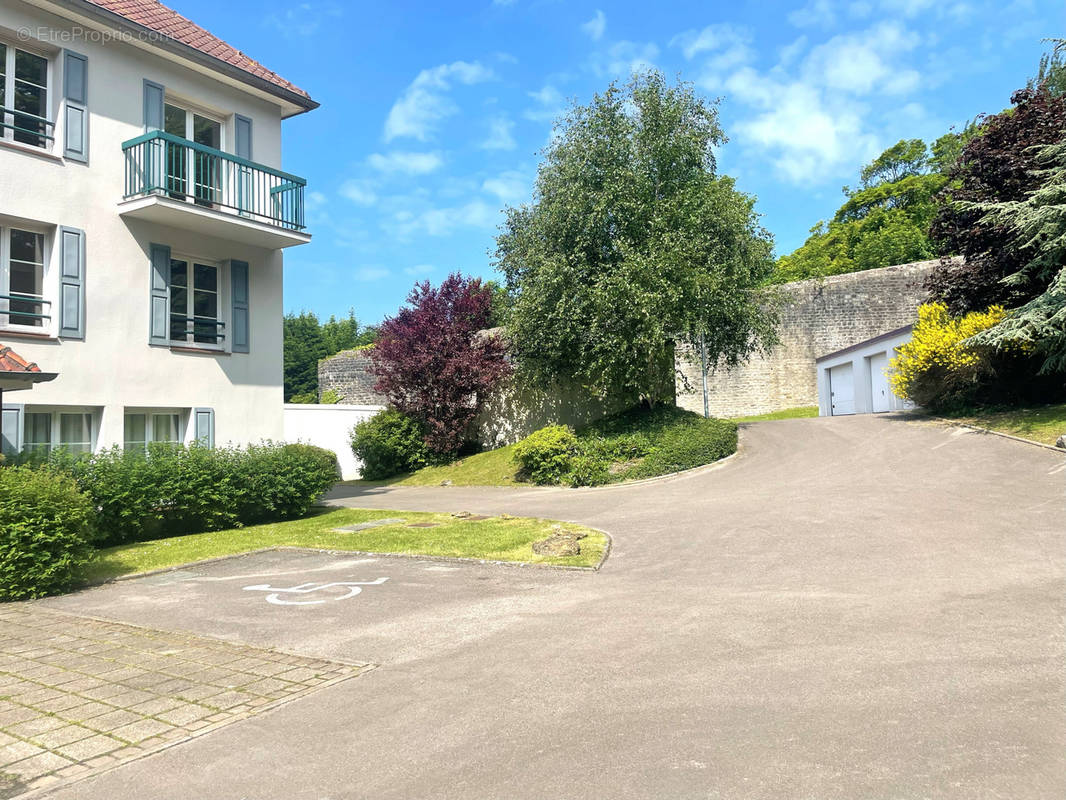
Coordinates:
(935, 369)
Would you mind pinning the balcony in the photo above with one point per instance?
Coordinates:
(176, 182)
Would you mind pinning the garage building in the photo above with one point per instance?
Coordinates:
(855, 380)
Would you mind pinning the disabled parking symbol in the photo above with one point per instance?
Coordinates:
(280, 596)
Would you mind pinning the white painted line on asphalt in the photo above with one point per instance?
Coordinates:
(354, 588)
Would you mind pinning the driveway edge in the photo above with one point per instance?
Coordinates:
(1010, 436)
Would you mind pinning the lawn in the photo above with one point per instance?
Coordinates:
(788, 413)
(639, 443)
(500, 538)
(1044, 424)
(491, 468)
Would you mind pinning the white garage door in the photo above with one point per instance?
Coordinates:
(842, 389)
(880, 393)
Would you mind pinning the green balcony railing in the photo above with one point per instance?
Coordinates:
(24, 309)
(25, 127)
(159, 163)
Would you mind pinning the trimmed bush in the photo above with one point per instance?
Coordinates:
(389, 443)
(44, 532)
(640, 443)
(546, 456)
(283, 482)
(174, 490)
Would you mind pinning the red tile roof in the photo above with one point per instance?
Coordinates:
(10, 361)
(157, 17)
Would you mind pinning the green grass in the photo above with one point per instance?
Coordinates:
(496, 538)
(491, 468)
(638, 443)
(1044, 424)
(788, 413)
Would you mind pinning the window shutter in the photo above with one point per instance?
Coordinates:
(243, 128)
(72, 283)
(238, 271)
(204, 426)
(159, 313)
(154, 95)
(76, 113)
(11, 429)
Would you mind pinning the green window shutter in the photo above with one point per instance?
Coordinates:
(238, 271)
(154, 95)
(204, 426)
(11, 429)
(243, 129)
(159, 311)
(72, 283)
(76, 112)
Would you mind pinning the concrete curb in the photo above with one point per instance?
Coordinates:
(1012, 437)
(417, 556)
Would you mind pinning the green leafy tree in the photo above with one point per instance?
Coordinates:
(304, 345)
(633, 242)
(886, 220)
(1038, 224)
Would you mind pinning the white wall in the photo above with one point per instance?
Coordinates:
(114, 367)
(859, 358)
(328, 426)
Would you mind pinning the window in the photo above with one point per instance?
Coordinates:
(205, 175)
(47, 430)
(23, 96)
(143, 427)
(194, 302)
(22, 278)
(37, 439)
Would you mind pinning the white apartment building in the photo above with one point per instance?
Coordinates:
(143, 215)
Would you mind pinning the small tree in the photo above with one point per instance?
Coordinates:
(633, 242)
(999, 165)
(434, 361)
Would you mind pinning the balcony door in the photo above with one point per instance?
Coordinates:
(188, 167)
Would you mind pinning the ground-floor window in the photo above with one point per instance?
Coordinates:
(46, 431)
(142, 427)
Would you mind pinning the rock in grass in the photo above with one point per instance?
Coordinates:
(562, 542)
(1061, 441)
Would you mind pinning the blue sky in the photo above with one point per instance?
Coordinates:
(433, 113)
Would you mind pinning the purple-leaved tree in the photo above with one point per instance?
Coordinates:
(433, 365)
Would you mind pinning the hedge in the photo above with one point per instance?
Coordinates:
(44, 532)
(174, 490)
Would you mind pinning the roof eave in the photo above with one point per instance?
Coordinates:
(303, 104)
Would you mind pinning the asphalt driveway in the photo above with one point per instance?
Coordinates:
(866, 607)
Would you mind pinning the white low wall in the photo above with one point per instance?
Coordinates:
(328, 426)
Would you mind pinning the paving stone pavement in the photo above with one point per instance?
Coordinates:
(79, 696)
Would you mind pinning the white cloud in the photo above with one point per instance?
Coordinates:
(424, 103)
(817, 13)
(503, 2)
(549, 106)
(596, 26)
(359, 192)
(302, 20)
(405, 162)
(418, 269)
(510, 186)
(862, 62)
(371, 273)
(808, 138)
(444, 221)
(500, 136)
(622, 59)
(718, 37)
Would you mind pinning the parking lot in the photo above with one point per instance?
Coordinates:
(856, 607)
